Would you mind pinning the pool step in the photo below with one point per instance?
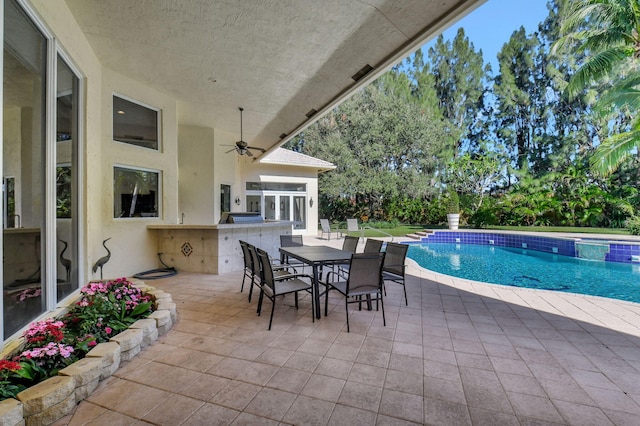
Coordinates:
(413, 236)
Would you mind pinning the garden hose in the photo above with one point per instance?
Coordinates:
(156, 274)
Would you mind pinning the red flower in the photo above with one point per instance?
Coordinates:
(9, 365)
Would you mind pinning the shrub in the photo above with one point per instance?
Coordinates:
(633, 224)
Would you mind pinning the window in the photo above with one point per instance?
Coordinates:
(276, 186)
(225, 198)
(135, 192)
(134, 123)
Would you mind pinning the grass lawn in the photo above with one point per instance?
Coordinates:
(403, 230)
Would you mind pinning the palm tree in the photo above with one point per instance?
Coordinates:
(608, 31)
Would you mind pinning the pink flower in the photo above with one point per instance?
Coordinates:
(108, 330)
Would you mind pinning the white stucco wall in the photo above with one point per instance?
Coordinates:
(193, 160)
(134, 247)
(196, 175)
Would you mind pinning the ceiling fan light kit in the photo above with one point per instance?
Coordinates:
(242, 147)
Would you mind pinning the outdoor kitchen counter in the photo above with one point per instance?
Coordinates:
(214, 249)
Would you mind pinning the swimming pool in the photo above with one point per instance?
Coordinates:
(530, 269)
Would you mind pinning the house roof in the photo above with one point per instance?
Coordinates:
(287, 157)
(279, 60)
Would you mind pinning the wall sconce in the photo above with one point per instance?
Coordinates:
(237, 201)
(310, 201)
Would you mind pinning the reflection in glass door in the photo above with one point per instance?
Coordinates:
(270, 207)
(253, 203)
(66, 186)
(285, 207)
(299, 212)
(23, 137)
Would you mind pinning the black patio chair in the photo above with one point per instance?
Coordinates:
(273, 286)
(291, 241)
(350, 244)
(256, 269)
(394, 265)
(248, 263)
(373, 246)
(364, 279)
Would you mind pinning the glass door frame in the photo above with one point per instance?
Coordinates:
(49, 243)
(277, 195)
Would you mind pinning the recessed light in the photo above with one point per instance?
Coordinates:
(121, 112)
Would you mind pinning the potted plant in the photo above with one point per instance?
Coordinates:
(453, 210)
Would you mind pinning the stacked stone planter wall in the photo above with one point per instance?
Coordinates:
(56, 397)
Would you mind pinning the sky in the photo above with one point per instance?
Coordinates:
(489, 26)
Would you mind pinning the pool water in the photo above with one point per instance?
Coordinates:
(530, 269)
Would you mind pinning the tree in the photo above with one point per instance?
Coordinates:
(474, 175)
(514, 89)
(459, 77)
(609, 31)
(383, 143)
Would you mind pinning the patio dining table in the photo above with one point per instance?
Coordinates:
(317, 257)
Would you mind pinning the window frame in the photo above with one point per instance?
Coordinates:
(158, 112)
(159, 197)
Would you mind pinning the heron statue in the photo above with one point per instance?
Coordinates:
(100, 263)
(65, 262)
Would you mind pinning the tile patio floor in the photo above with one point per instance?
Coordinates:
(460, 353)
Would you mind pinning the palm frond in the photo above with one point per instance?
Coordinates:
(624, 93)
(621, 97)
(595, 69)
(614, 150)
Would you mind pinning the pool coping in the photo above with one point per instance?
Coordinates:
(618, 250)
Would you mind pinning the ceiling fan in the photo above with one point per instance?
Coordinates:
(242, 147)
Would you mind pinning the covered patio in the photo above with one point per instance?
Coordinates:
(460, 353)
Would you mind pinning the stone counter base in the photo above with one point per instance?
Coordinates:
(58, 396)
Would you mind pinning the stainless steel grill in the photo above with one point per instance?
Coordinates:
(241, 217)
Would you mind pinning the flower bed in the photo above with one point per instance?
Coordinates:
(61, 360)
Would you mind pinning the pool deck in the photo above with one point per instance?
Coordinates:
(460, 353)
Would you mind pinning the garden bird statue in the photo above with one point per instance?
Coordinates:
(65, 262)
(100, 263)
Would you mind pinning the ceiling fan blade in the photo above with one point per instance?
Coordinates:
(232, 149)
(249, 154)
(257, 148)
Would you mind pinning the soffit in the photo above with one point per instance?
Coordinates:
(277, 59)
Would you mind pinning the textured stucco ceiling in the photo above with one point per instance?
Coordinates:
(276, 58)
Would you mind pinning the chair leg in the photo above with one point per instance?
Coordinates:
(273, 307)
(346, 305)
(384, 320)
(326, 300)
(405, 293)
(296, 295)
(243, 278)
(260, 302)
(251, 288)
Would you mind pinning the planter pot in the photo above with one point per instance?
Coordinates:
(454, 220)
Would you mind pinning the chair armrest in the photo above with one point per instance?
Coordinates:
(290, 276)
(386, 269)
(284, 267)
